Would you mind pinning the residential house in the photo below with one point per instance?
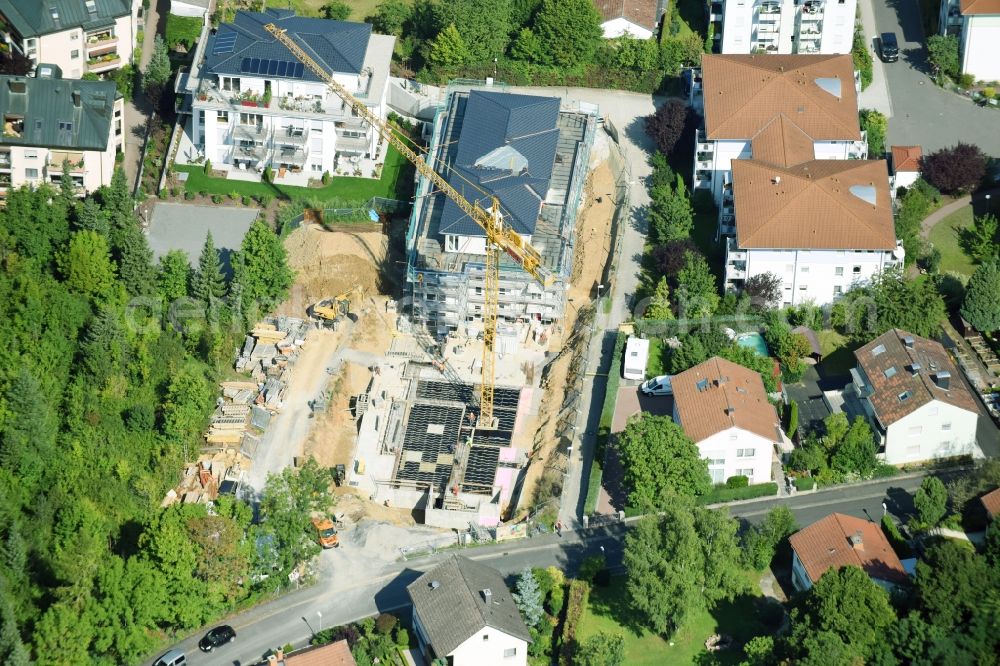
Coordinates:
(331, 654)
(532, 156)
(905, 166)
(48, 120)
(844, 541)
(635, 18)
(255, 105)
(976, 24)
(723, 408)
(784, 158)
(190, 8)
(78, 36)
(991, 503)
(463, 613)
(786, 26)
(918, 405)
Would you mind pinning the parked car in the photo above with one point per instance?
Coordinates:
(217, 637)
(171, 658)
(658, 386)
(339, 474)
(326, 533)
(888, 47)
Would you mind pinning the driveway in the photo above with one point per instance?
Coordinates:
(809, 395)
(924, 114)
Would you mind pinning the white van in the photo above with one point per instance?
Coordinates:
(636, 356)
(658, 386)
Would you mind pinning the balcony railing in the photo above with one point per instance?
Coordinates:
(356, 144)
(104, 63)
(250, 132)
(101, 46)
(75, 161)
(291, 136)
(4, 160)
(248, 152)
(770, 8)
(330, 107)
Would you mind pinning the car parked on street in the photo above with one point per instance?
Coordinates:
(171, 658)
(217, 637)
(888, 47)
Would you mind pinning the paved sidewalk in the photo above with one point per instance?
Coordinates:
(876, 96)
(137, 111)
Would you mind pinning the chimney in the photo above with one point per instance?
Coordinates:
(776, 180)
(272, 660)
(943, 379)
(856, 541)
(281, 654)
(730, 410)
(488, 596)
(17, 85)
(908, 341)
(435, 584)
(76, 98)
(915, 368)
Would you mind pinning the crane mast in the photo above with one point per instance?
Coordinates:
(499, 234)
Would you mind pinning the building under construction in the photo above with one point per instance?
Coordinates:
(532, 155)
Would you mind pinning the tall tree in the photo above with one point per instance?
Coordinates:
(28, 439)
(667, 124)
(261, 267)
(86, 265)
(931, 501)
(697, 295)
(981, 306)
(659, 302)
(660, 460)
(670, 214)
(485, 26)
(104, 348)
(207, 282)
(336, 10)
(761, 541)
(174, 275)
(12, 649)
(449, 49)
(36, 221)
(135, 259)
(981, 240)
(390, 16)
(91, 217)
(764, 290)
(942, 51)
(957, 169)
(856, 451)
(952, 583)
(570, 31)
(157, 71)
(529, 598)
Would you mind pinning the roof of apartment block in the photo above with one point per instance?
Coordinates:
(51, 117)
(906, 158)
(817, 205)
(452, 606)
(717, 395)
(244, 47)
(506, 149)
(744, 93)
(32, 18)
(643, 13)
(979, 7)
(783, 143)
(906, 373)
(841, 541)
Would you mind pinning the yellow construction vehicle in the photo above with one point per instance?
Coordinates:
(500, 236)
(331, 310)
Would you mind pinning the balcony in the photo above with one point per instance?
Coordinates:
(250, 133)
(250, 152)
(329, 106)
(104, 63)
(813, 8)
(351, 144)
(75, 161)
(769, 8)
(101, 44)
(291, 136)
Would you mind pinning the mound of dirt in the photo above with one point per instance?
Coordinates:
(327, 263)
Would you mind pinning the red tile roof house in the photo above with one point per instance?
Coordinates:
(905, 165)
(839, 541)
(917, 403)
(636, 18)
(991, 503)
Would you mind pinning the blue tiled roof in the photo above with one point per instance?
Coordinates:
(526, 124)
(338, 46)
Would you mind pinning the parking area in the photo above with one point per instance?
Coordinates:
(184, 227)
(808, 394)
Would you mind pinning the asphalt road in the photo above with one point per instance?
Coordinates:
(293, 617)
(924, 114)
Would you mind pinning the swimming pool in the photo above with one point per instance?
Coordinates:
(754, 341)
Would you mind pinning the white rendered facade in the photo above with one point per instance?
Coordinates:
(487, 647)
(736, 452)
(978, 33)
(808, 276)
(620, 27)
(30, 165)
(788, 26)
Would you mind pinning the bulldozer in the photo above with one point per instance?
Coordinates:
(330, 311)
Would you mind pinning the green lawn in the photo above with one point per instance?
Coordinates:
(946, 237)
(838, 357)
(360, 9)
(608, 611)
(396, 183)
(656, 365)
(183, 30)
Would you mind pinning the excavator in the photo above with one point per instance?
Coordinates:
(330, 311)
(500, 236)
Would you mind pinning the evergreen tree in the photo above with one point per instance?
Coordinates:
(116, 199)
(91, 217)
(529, 598)
(261, 267)
(697, 294)
(28, 440)
(157, 72)
(485, 25)
(981, 307)
(449, 49)
(570, 30)
(207, 283)
(174, 275)
(12, 650)
(67, 190)
(135, 260)
(86, 265)
(103, 349)
(659, 303)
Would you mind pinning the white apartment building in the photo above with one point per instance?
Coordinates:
(912, 394)
(787, 26)
(822, 226)
(255, 105)
(976, 23)
(78, 36)
(723, 408)
(48, 120)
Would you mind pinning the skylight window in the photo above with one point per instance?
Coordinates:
(904, 396)
(91, 6)
(879, 349)
(864, 192)
(830, 85)
(504, 158)
(889, 372)
(55, 13)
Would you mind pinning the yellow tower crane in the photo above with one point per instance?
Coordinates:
(499, 234)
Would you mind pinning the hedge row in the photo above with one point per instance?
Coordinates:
(723, 494)
(604, 427)
(895, 538)
(804, 483)
(579, 593)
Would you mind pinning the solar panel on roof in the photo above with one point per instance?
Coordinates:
(298, 70)
(272, 67)
(283, 67)
(255, 65)
(225, 43)
(245, 65)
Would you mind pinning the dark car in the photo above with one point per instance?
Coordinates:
(217, 637)
(888, 47)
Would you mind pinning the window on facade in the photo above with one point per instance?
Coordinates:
(451, 243)
(716, 475)
(74, 54)
(230, 84)
(789, 268)
(838, 290)
(716, 461)
(510, 652)
(748, 472)
(74, 36)
(946, 426)
(222, 116)
(915, 431)
(31, 173)
(30, 154)
(803, 269)
(803, 287)
(838, 271)
(66, 126)
(745, 453)
(317, 167)
(486, 637)
(856, 270)
(251, 119)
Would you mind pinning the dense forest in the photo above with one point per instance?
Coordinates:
(104, 392)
